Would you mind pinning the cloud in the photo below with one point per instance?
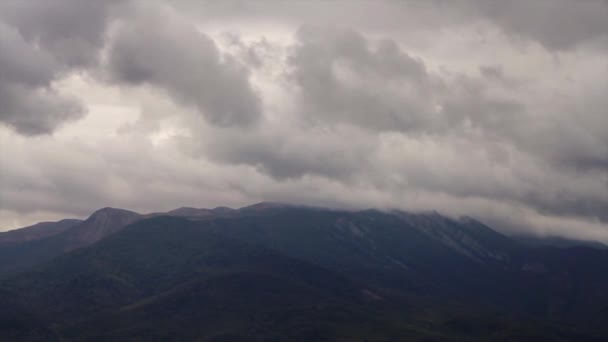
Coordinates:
(40, 43)
(72, 31)
(289, 152)
(160, 49)
(556, 24)
(459, 135)
(475, 108)
(342, 77)
(36, 111)
(28, 101)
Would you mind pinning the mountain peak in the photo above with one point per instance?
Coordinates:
(111, 216)
(112, 211)
(37, 231)
(101, 223)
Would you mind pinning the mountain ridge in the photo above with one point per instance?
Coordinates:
(37, 231)
(366, 272)
(97, 225)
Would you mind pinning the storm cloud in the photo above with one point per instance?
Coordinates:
(41, 42)
(489, 109)
(28, 101)
(158, 48)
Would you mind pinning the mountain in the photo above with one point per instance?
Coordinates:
(129, 282)
(465, 236)
(100, 224)
(393, 249)
(282, 272)
(37, 231)
(18, 256)
(432, 255)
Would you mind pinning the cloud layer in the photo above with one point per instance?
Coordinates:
(492, 110)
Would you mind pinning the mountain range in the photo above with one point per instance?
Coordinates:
(279, 272)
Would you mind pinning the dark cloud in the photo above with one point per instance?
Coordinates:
(159, 49)
(345, 79)
(36, 111)
(288, 153)
(491, 109)
(72, 31)
(557, 24)
(41, 42)
(28, 101)
(342, 77)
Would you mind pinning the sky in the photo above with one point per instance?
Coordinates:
(492, 109)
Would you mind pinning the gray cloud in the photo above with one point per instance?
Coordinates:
(159, 49)
(342, 77)
(288, 152)
(479, 108)
(462, 112)
(345, 77)
(36, 111)
(557, 24)
(28, 101)
(72, 31)
(40, 43)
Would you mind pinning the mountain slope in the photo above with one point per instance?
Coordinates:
(429, 255)
(37, 231)
(22, 255)
(167, 264)
(100, 224)
(170, 278)
(465, 236)
(370, 245)
(283, 272)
